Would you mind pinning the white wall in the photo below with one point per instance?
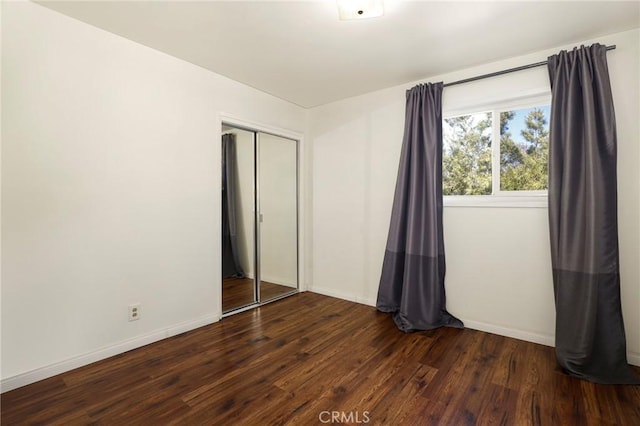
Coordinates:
(111, 190)
(498, 259)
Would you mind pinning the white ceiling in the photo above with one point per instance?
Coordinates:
(301, 52)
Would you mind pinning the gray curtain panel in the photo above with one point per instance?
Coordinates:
(230, 264)
(590, 338)
(413, 270)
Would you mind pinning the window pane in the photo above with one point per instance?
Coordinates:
(524, 148)
(466, 155)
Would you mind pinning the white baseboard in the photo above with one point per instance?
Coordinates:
(344, 296)
(45, 372)
(474, 325)
(273, 280)
(280, 281)
(527, 336)
(547, 340)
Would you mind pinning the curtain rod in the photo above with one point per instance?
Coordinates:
(507, 71)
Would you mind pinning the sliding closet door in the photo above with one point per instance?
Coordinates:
(238, 214)
(278, 215)
(259, 218)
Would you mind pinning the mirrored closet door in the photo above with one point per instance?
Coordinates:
(259, 218)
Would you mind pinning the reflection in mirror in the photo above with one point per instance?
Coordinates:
(277, 169)
(238, 195)
(259, 218)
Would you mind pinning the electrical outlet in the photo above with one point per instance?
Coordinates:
(134, 312)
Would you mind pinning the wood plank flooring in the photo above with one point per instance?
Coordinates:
(309, 359)
(239, 292)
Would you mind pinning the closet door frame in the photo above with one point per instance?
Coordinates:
(242, 124)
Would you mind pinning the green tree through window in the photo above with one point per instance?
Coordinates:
(466, 163)
(523, 156)
(525, 167)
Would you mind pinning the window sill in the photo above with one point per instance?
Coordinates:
(497, 201)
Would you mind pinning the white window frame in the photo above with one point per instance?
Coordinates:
(499, 198)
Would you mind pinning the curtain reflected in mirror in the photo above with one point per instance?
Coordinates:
(238, 176)
(259, 218)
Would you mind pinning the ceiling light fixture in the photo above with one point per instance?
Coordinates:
(359, 9)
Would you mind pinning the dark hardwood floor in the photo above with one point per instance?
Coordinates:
(239, 292)
(298, 360)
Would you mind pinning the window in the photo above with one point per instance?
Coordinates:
(498, 152)
(524, 149)
(466, 154)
